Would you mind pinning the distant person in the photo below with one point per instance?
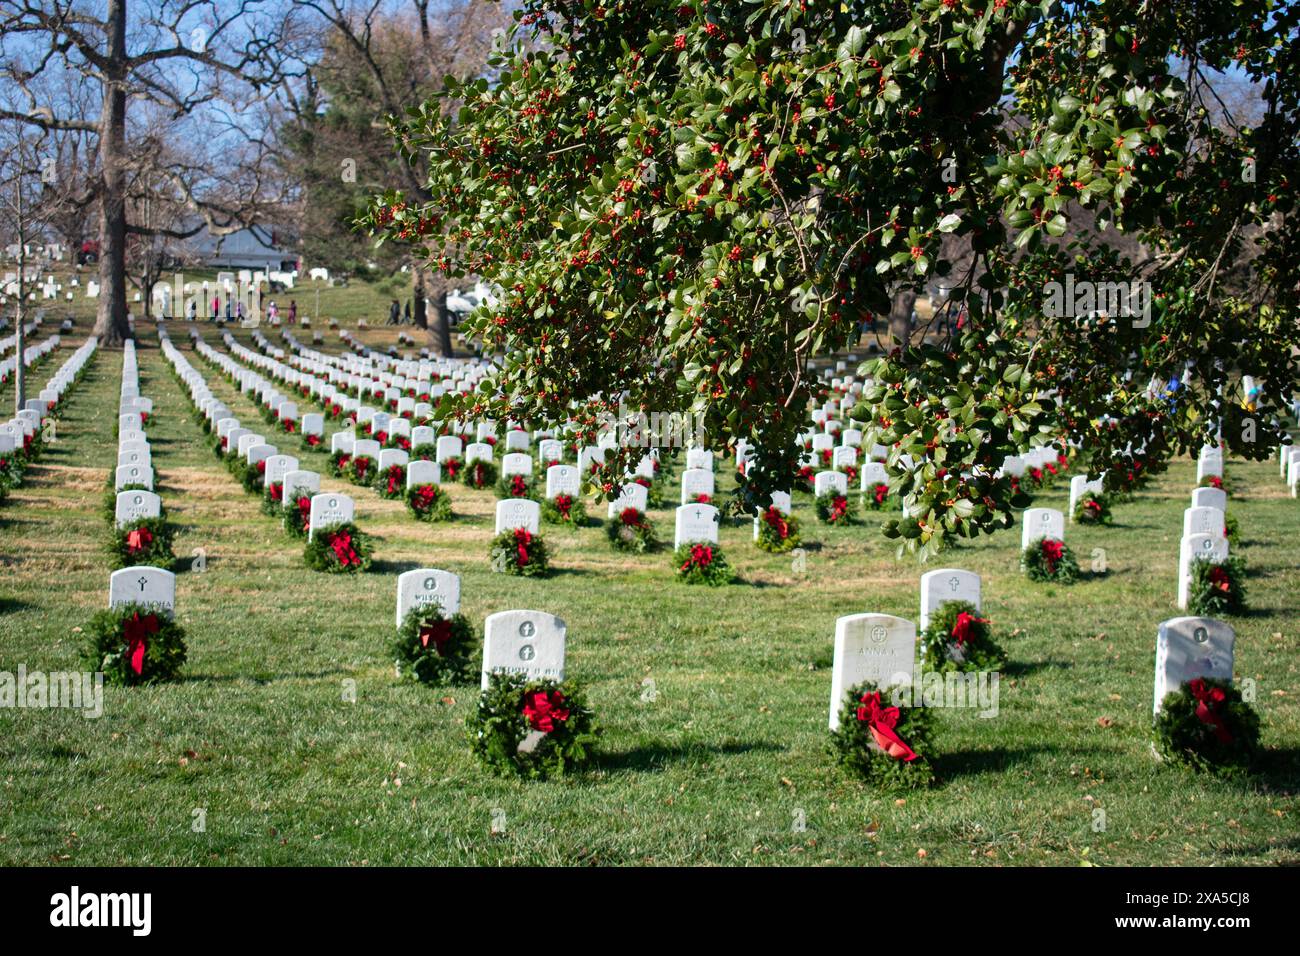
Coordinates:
(273, 313)
(227, 308)
(293, 311)
(407, 318)
(194, 310)
(394, 313)
(239, 311)
(216, 307)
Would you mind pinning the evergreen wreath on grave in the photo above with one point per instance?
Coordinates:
(480, 474)
(273, 499)
(11, 470)
(564, 509)
(835, 508)
(883, 744)
(428, 502)
(432, 648)
(1092, 508)
(297, 518)
(877, 497)
(1047, 559)
(550, 719)
(654, 491)
(424, 452)
(391, 483)
(630, 530)
(288, 426)
(311, 442)
(338, 549)
(142, 541)
(253, 477)
(1216, 481)
(134, 644)
(339, 461)
(453, 467)
(958, 639)
(702, 563)
(514, 486)
(361, 470)
(1217, 588)
(1232, 531)
(850, 473)
(1206, 726)
(519, 551)
(777, 532)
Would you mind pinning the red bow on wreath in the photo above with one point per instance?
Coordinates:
(701, 557)
(304, 510)
(1208, 700)
(777, 522)
(545, 710)
(839, 505)
(1219, 579)
(518, 486)
(424, 497)
(1053, 551)
(343, 550)
(439, 632)
(395, 477)
(562, 504)
(136, 630)
(261, 467)
(523, 538)
(963, 629)
(630, 516)
(1093, 505)
(881, 722)
(138, 540)
(880, 493)
(274, 490)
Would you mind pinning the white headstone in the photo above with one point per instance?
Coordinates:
(329, 509)
(1210, 498)
(880, 648)
(947, 584)
(516, 463)
(518, 513)
(427, 586)
(299, 484)
(695, 482)
(830, 482)
(1197, 547)
(133, 475)
(1203, 521)
(523, 642)
(696, 524)
(142, 585)
(562, 480)
(1191, 647)
(421, 472)
(449, 446)
(630, 496)
(134, 505)
(1041, 523)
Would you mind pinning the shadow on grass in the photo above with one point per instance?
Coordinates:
(964, 763)
(1279, 770)
(656, 757)
(378, 566)
(261, 679)
(1024, 668)
(10, 605)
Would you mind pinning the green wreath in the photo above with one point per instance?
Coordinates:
(272, 499)
(1216, 481)
(630, 530)
(452, 468)
(480, 474)
(857, 750)
(109, 506)
(513, 709)
(338, 549)
(1047, 559)
(1206, 726)
(1232, 531)
(428, 503)
(514, 486)
(312, 443)
(877, 497)
(134, 644)
(253, 476)
(1217, 588)
(391, 484)
(564, 509)
(958, 639)
(432, 648)
(12, 468)
(702, 563)
(835, 509)
(1092, 508)
(777, 532)
(339, 461)
(142, 541)
(297, 518)
(654, 491)
(424, 452)
(361, 470)
(519, 551)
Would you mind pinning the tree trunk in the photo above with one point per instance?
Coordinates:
(443, 329)
(900, 318)
(419, 312)
(20, 371)
(110, 319)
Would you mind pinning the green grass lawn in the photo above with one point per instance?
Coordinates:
(716, 766)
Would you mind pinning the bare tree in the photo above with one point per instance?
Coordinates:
(183, 60)
(29, 201)
(383, 60)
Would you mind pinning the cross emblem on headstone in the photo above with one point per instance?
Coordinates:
(1200, 635)
(142, 582)
(954, 583)
(878, 634)
(527, 629)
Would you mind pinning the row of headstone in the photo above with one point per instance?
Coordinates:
(1204, 536)
(31, 419)
(31, 355)
(134, 466)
